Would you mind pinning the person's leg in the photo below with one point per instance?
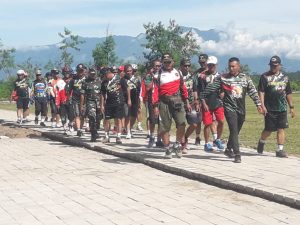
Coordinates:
(207, 119)
(198, 131)
(165, 125)
(219, 115)
(220, 128)
(37, 107)
(25, 108)
(232, 121)
(19, 110)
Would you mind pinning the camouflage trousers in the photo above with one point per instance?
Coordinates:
(92, 111)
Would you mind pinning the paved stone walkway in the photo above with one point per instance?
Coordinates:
(261, 175)
(43, 182)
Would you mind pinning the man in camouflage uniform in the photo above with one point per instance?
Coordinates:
(193, 117)
(90, 96)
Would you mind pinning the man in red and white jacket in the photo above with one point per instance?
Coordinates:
(171, 97)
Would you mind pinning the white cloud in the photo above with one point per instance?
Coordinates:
(240, 42)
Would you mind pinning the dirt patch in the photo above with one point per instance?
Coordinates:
(17, 132)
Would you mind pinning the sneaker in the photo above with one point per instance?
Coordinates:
(36, 120)
(260, 147)
(184, 146)
(105, 140)
(168, 153)
(42, 124)
(118, 140)
(229, 153)
(58, 125)
(177, 149)
(19, 121)
(148, 136)
(79, 133)
(139, 127)
(197, 141)
(128, 136)
(219, 144)
(53, 124)
(237, 159)
(281, 154)
(71, 128)
(26, 120)
(208, 147)
(151, 142)
(46, 118)
(159, 144)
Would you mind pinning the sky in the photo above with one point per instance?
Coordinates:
(264, 23)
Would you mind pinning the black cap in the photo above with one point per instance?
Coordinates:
(106, 70)
(80, 67)
(54, 71)
(185, 61)
(275, 60)
(92, 71)
(203, 57)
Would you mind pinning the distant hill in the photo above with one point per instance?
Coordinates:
(129, 49)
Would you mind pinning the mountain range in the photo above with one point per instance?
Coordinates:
(129, 49)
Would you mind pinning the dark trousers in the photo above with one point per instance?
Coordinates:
(235, 122)
(40, 106)
(65, 112)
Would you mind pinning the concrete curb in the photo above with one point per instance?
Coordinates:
(143, 158)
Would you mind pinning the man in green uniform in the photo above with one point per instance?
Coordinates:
(90, 96)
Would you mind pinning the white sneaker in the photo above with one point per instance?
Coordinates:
(71, 128)
(58, 125)
(139, 127)
(128, 136)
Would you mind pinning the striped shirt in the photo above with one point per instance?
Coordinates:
(235, 89)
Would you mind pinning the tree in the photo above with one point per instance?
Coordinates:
(169, 39)
(69, 41)
(29, 67)
(50, 65)
(7, 60)
(104, 53)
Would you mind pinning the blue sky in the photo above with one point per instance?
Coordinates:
(37, 22)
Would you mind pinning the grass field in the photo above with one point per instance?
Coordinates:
(252, 128)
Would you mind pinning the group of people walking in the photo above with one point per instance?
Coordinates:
(189, 98)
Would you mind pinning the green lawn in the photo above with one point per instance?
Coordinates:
(252, 128)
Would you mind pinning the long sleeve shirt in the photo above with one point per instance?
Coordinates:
(235, 89)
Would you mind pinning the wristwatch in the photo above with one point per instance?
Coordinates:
(291, 107)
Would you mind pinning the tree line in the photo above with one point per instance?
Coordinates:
(160, 39)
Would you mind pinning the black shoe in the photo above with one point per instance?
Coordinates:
(148, 136)
(42, 124)
(197, 141)
(79, 133)
(36, 121)
(237, 159)
(229, 153)
(151, 142)
(159, 144)
(281, 154)
(260, 147)
(94, 137)
(46, 118)
(119, 140)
